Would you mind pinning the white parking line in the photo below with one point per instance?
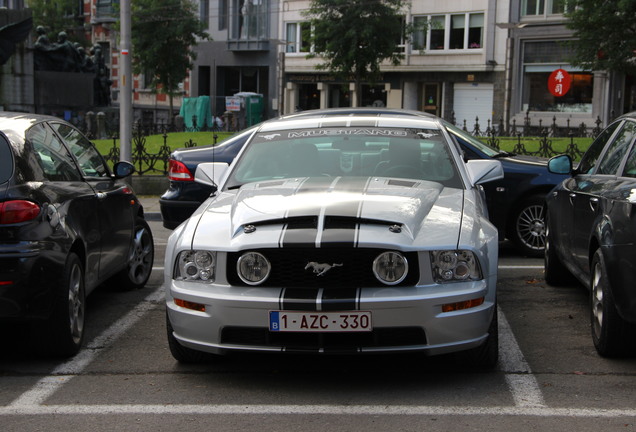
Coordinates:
(528, 399)
(521, 267)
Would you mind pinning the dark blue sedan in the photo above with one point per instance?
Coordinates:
(515, 203)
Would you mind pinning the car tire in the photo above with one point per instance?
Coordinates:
(612, 335)
(527, 226)
(140, 259)
(555, 273)
(485, 356)
(184, 354)
(63, 333)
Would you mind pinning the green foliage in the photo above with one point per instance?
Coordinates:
(354, 37)
(605, 33)
(56, 16)
(164, 34)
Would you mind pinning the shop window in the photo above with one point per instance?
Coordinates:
(540, 60)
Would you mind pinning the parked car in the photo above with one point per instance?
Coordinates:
(67, 225)
(591, 233)
(184, 195)
(515, 203)
(352, 234)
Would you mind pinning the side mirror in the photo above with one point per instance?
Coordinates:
(483, 171)
(210, 173)
(123, 169)
(561, 164)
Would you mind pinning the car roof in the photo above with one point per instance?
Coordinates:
(17, 122)
(347, 117)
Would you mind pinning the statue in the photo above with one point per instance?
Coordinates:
(11, 35)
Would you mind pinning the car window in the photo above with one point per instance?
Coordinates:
(462, 135)
(630, 165)
(590, 158)
(611, 161)
(421, 154)
(91, 162)
(6, 160)
(52, 156)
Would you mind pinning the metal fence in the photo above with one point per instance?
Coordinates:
(157, 163)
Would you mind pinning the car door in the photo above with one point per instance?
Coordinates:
(114, 200)
(71, 202)
(589, 194)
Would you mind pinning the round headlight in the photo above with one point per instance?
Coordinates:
(203, 259)
(390, 268)
(253, 268)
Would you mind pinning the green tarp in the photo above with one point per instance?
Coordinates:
(200, 107)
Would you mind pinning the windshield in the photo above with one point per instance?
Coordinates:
(417, 154)
(463, 135)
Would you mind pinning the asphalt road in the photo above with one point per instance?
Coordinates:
(549, 378)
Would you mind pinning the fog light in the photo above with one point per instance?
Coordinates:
(253, 268)
(390, 268)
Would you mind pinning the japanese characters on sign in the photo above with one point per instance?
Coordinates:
(559, 82)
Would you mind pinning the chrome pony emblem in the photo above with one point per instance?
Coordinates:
(321, 268)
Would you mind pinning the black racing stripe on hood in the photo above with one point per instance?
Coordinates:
(341, 219)
(303, 230)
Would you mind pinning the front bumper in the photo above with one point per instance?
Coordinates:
(404, 319)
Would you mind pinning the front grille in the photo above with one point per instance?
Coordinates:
(288, 268)
(336, 342)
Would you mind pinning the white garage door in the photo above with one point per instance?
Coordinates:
(473, 100)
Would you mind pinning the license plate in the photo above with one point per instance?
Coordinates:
(347, 321)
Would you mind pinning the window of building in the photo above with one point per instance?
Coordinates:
(542, 7)
(465, 31)
(437, 32)
(250, 19)
(223, 11)
(204, 12)
(540, 59)
(106, 8)
(298, 37)
(420, 24)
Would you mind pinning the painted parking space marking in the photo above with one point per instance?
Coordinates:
(526, 394)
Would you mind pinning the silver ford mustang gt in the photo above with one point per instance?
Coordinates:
(363, 233)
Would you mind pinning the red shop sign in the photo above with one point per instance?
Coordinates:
(559, 82)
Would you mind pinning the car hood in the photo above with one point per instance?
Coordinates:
(321, 212)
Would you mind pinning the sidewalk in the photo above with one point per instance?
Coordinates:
(151, 207)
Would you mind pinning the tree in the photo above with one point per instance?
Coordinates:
(57, 16)
(354, 37)
(605, 33)
(163, 35)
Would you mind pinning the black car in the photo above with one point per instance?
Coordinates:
(515, 203)
(67, 225)
(591, 233)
